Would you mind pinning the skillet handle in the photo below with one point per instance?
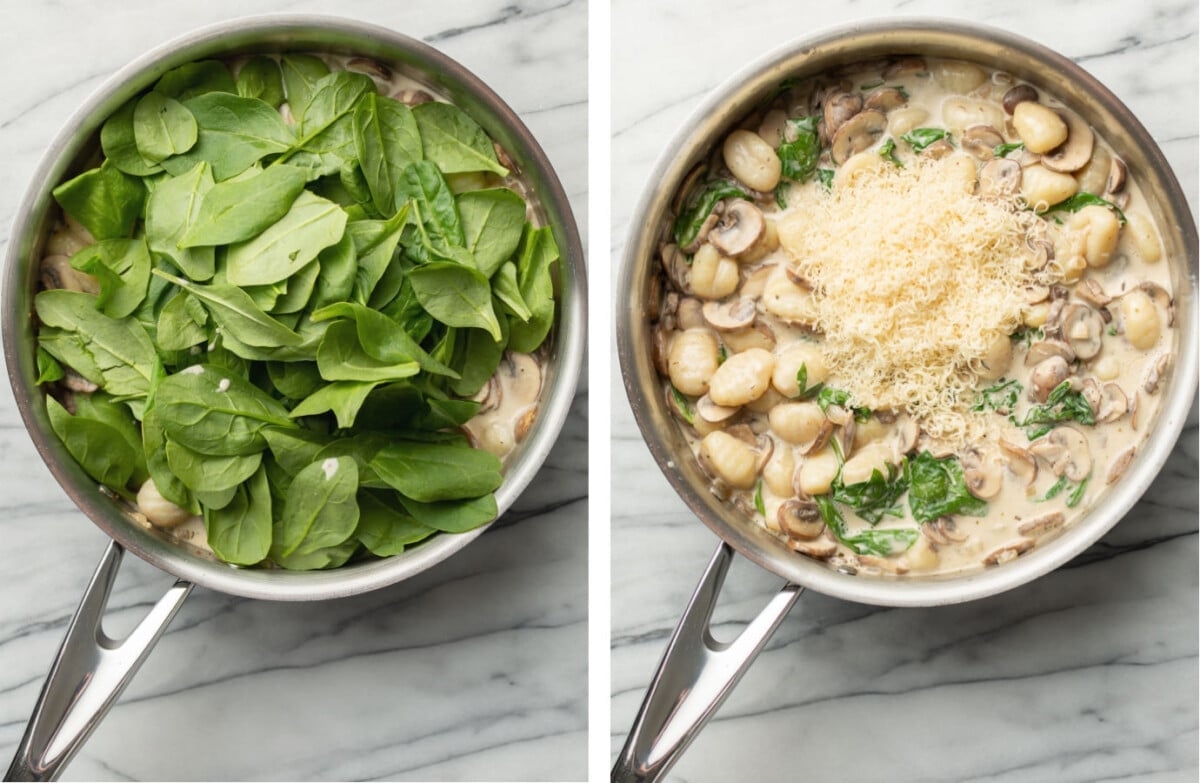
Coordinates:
(695, 676)
(90, 672)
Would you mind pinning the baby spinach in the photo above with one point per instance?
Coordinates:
(454, 141)
(105, 200)
(887, 151)
(235, 311)
(698, 207)
(102, 408)
(881, 543)
(383, 338)
(429, 472)
(321, 510)
(116, 354)
(240, 209)
(260, 78)
(825, 177)
(452, 516)
(122, 266)
(170, 210)
(49, 370)
(215, 412)
(166, 482)
(1062, 404)
(937, 489)
(240, 533)
(384, 529)
(310, 225)
(1001, 397)
(119, 144)
(343, 398)
(162, 127)
(234, 134)
(920, 138)
(433, 202)
(455, 295)
(506, 288)
(807, 392)
(1083, 199)
(386, 141)
(341, 357)
(493, 221)
(799, 157)
(192, 79)
(535, 256)
(477, 356)
(1002, 150)
(874, 498)
(98, 448)
(301, 72)
(208, 473)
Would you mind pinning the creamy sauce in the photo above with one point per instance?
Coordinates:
(1019, 513)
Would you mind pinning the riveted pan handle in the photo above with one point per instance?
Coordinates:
(90, 672)
(697, 673)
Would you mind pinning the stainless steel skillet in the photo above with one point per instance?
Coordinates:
(697, 672)
(92, 669)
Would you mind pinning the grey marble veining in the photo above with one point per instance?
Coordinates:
(1087, 674)
(473, 670)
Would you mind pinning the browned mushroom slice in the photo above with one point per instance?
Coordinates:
(839, 415)
(370, 67)
(57, 272)
(1044, 349)
(1155, 372)
(490, 396)
(839, 108)
(905, 437)
(1113, 404)
(1021, 463)
(711, 412)
(857, 134)
(730, 315)
(1090, 291)
(763, 449)
(738, 229)
(819, 548)
(706, 228)
(413, 97)
(1083, 329)
(938, 150)
(905, 66)
(1046, 375)
(675, 265)
(1116, 176)
(1065, 450)
(981, 474)
(1018, 94)
(1117, 469)
(660, 350)
(1074, 153)
(885, 99)
(819, 441)
(800, 519)
(943, 531)
(1041, 525)
(1008, 552)
(999, 179)
(981, 141)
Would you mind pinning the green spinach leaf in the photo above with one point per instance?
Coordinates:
(383, 528)
(241, 209)
(234, 134)
(105, 200)
(937, 489)
(341, 357)
(235, 312)
(429, 472)
(1062, 404)
(343, 398)
(1081, 200)
(115, 353)
(260, 78)
(240, 533)
(123, 268)
(455, 295)
(493, 221)
(386, 141)
(321, 510)
(697, 209)
(192, 79)
(454, 516)
(212, 411)
(882, 543)
(537, 254)
(208, 474)
(301, 72)
(920, 138)
(171, 209)
(119, 144)
(162, 127)
(310, 225)
(799, 157)
(454, 141)
(98, 448)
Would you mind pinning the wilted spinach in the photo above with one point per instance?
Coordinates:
(936, 488)
(1062, 404)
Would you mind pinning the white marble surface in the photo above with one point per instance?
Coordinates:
(474, 670)
(1087, 674)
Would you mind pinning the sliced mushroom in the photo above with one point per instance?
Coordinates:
(1091, 392)
(1064, 449)
(905, 66)
(846, 436)
(981, 141)
(1018, 94)
(1155, 372)
(745, 434)
(819, 441)
(490, 396)
(839, 415)
(1074, 153)
(1116, 176)
(764, 448)
(938, 150)
(1046, 375)
(999, 178)
(1041, 525)
(819, 548)
(370, 67)
(706, 228)
(1008, 552)
(1117, 469)
(839, 108)
(1135, 408)
(943, 531)
(885, 99)
(904, 438)
(413, 97)
(1021, 463)
(857, 134)
(57, 272)
(711, 412)
(1083, 329)
(660, 350)
(800, 519)
(690, 313)
(738, 229)
(1042, 350)
(730, 315)
(1113, 403)
(1090, 291)
(679, 274)
(981, 474)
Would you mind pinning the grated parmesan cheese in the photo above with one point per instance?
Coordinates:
(913, 279)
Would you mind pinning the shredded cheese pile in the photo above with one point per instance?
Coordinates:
(913, 279)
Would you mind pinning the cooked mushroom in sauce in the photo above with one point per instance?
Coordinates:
(914, 317)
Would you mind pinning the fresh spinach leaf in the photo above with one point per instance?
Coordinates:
(209, 410)
(293, 448)
(535, 256)
(207, 474)
(697, 209)
(508, 291)
(119, 144)
(260, 78)
(375, 244)
(937, 489)
(455, 295)
(49, 370)
(234, 134)
(242, 208)
(338, 270)
(920, 138)
(192, 79)
(123, 268)
(453, 516)
(321, 510)
(383, 338)
(438, 222)
(343, 398)
(430, 472)
(98, 406)
(799, 157)
(383, 528)
(301, 72)
(477, 356)
(162, 127)
(454, 141)
(235, 312)
(493, 221)
(887, 151)
(310, 225)
(154, 449)
(341, 357)
(830, 396)
(98, 448)
(240, 533)
(105, 200)
(874, 498)
(181, 323)
(170, 210)
(386, 141)
(115, 353)
(1002, 150)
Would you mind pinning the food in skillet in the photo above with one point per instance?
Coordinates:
(914, 316)
(296, 311)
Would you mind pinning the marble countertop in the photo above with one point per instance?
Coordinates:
(1089, 673)
(473, 670)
